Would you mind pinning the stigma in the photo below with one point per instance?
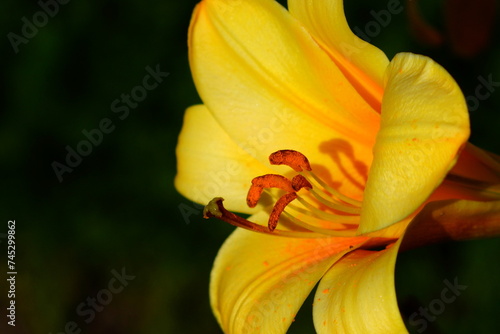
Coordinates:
(305, 205)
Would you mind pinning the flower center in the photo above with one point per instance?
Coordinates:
(318, 209)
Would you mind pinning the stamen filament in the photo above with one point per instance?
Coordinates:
(335, 233)
(332, 191)
(335, 206)
(311, 219)
(341, 219)
(215, 209)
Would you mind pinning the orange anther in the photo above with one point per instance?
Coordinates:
(253, 196)
(273, 181)
(293, 159)
(279, 207)
(299, 182)
(267, 181)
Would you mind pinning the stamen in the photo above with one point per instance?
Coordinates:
(332, 191)
(293, 159)
(279, 207)
(215, 209)
(299, 182)
(337, 233)
(267, 181)
(336, 205)
(341, 219)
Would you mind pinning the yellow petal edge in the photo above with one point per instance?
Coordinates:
(259, 282)
(424, 125)
(357, 295)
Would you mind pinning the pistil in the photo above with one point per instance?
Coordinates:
(215, 209)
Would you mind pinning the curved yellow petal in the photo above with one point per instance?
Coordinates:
(210, 164)
(357, 295)
(424, 125)
(362, 62)
(259, 282)
(272, 87)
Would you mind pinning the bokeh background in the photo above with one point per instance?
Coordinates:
(118, 210)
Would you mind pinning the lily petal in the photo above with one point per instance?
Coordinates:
(453, 220)
(477, 164)
(357, 295)
(362, 62)
(423, 128)
(259, 282)
(227, 171)
(271, 86)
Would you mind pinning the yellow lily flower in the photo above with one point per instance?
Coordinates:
(369, 143)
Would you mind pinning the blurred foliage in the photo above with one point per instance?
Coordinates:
(118, 208)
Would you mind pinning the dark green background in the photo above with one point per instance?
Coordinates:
(118, 208)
